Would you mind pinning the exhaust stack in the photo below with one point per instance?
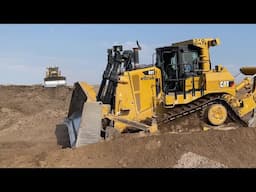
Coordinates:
(136, 56)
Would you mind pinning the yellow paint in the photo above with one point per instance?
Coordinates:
(88, 90)
(136, 95)
(105, 110)
(154, 127)
(211, 80)
(246, 82)
(170, 99)
(217, 114)
(136, 91)
(189, 83)
(248, 105)
(214, 82)
(232, 100)
(204, 45)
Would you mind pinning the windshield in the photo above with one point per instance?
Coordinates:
(189, 59)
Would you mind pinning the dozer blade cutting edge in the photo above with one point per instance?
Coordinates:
(54, 83)
(84, 116)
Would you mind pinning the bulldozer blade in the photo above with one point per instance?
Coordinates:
(84, 116)
(248, 70)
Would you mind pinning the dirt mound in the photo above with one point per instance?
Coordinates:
(29, 116)
(31, 99)
(192, 160)
(234, 148)
(31, 135)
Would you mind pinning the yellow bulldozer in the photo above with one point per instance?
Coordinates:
(179, 91)
(53, 78)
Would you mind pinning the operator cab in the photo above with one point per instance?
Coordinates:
(178, 64)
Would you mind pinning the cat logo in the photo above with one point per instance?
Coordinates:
(224, 84)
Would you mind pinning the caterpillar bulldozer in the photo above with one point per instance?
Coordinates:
(53, 77)
(179, 91)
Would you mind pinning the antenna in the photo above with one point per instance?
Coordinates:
(139, 47)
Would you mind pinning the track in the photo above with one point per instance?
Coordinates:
(184, 117)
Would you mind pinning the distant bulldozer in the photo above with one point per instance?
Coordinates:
(53, 78)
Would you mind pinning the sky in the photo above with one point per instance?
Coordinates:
(80, 50)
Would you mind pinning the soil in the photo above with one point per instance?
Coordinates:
(31, 135)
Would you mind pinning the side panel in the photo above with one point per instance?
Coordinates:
(189, 83)
(213, 82)
(144, 96)
(219, 82)
(136, 94)
(171, 100)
